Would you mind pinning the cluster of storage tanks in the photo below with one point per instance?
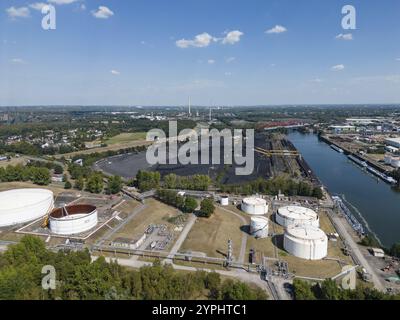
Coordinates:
(20, 206)
(303, 238)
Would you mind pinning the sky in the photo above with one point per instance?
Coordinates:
(237, 52)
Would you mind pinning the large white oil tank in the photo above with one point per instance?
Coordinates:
(259, 227)
(292, 215)
(395, 163)
(254, 206)
(23, 205)
(388, 159)
(72, 220)
(306, 242)
(224, 201)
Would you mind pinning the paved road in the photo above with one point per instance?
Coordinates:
(190, 223)
(242, 254)
(341, 228)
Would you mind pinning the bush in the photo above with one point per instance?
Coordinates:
(207, 208)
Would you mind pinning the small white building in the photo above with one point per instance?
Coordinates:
(377, 252)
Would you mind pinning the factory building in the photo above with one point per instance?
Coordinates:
(259, 227)
(254, 206)
(394, 142)
(24, 205)
(295, 215)
(306, 242)
(73, 219)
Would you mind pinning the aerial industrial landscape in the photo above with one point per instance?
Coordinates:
(146, 155)
(271, 229)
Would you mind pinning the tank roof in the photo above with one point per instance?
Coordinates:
(306, 232)
(19, 198)
(255, 201)
(298, 213)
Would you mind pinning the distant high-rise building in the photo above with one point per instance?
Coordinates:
(190, 102)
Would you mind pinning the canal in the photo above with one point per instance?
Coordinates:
(372, 201)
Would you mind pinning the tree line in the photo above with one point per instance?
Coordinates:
(80, 278)
(184, 203)
(19, 173)
(329, 290)
(285, 185)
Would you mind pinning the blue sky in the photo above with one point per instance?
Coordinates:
(144, 52)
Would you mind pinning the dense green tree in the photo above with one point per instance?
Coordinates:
(80, 183)
(190, 205)
(302, 290)
(148, 180)
(207, 207)
(95, 183)
(114, 185)
(67, 185)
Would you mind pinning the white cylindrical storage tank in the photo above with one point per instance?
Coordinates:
(73, 219)
(254, 206)
(23, 205)
(388, 159)
(224, 201)
(306, 242)
(293, 215)
(259, 227)
(395, 163)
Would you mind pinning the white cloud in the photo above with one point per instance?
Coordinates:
(82, 7)
(18, 61)
(61, 2)
(210, 61)
(277, 29)
(205, 39)
(22, 12)
(338, 67)
(230, 59)
(316, 80)
(38, 5)
(102, 13)
(346, 36)
(200, 41)
(228, 74)
(115, 72)
(398, 59)
(232, 37)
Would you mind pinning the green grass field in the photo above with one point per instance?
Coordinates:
(126, 138)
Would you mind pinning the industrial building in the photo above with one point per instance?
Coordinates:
(126, 243)
(295, 215)
(306, 242)
(254, 206)
(23, 205)
(259, 227)
(394, 142)
(73, 219)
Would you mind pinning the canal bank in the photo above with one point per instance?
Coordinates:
(368, 197)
